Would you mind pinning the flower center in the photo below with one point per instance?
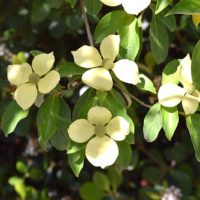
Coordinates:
(100, 130)
(108, 63)
(34, 78)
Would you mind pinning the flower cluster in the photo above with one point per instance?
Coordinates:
(99, 76)
(170, 95)
(33, 81)
(100, 132)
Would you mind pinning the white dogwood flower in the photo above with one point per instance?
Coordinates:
(99, 76)
(130, 6)
(101, 132)
(170, 95)
(31, 81)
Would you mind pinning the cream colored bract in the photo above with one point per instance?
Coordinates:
(31, 80)
(170, 95)
(130, 6)
(99, 76)
(101, 132)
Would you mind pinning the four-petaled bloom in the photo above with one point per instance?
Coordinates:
(101, 132)
(29, 80)
(99, 77)
(170, 95)
(130, 6)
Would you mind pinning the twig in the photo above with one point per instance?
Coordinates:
(87, 26)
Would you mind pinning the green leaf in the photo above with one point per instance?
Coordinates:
(117, 109)
(195, 65)
(111, 23)
(73, 147)
(19, 185)
(146, 84)
(21, 167)
(158, 40)
(125, 155)
(35, 52)
(93, 6)
(101, 181)
(46, 123)
(152, 123)
(55, 3)
(76, 161)
(89, 191)
(169, 74)
(12, 115)
(83, 104)
(71, 2)
(130, 40)
(186, 7)
(70, 68)
(115, 177)
(40, 12)
(60, 140)
(168, 21)
(161, 5)
(193, 125)
(170, 121)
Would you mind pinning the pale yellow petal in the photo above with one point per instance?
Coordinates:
(99, 115)
(39, 100)
(111, 2)
(87, 57)
(127, 71)
(81, 131)
(118, 128)
(48, 82)
(98, 78)
(19, 74)
(102, 151)
(184, 72)
(190, 104)
(170, 95)
(25, 95)
(110, 47)
(42, 63)
(135, 6)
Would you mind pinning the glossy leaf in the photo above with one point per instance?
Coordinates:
(89, 191)
(111, 23)
(101, 181)
(46, 123)
(161, 5)
(93, 6)
(186, 7)
(13, 114)
(70, 68)
(169, 74)
(59, 140)
(193, 125)
(152, 123)
(146, 84)
(125, 155)
(76, 161)
(195, 65)
(158, 40)
(130, 40)
(170, 121)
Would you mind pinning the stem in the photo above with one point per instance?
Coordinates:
(144, 150)
(87, 26)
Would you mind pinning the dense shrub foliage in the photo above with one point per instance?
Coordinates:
(100, 99)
